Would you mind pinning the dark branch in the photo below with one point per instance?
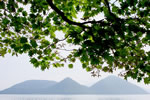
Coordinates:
(63, 15)
(69, 21)
(107, 4)
(93, 22)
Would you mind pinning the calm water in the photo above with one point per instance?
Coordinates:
(74, 97)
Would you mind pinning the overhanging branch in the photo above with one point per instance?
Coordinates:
(50, 2)
(63, 15)
(69, 21)
(107, 4)
(93, 22)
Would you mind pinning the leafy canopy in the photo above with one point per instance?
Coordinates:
(114, 41)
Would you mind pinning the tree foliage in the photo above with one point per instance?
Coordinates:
(114, 41)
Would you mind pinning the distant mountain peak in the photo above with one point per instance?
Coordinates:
(68, 80)
(115, 85)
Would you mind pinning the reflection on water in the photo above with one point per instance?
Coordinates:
(74, 97)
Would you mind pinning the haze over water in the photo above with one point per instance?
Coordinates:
(74, 97)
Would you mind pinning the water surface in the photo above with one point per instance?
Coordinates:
(74, 97)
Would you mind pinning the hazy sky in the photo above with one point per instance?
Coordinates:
(18, 69)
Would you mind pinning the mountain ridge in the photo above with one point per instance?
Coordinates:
(109, 85)
(29, 86)
(66, 86)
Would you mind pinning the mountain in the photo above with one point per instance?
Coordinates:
(109, 85)
(67, 86)
(115, 85)
(29, 87)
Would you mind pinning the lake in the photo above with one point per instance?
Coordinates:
(74, 97)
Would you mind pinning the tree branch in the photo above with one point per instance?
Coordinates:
(63, 15)
(69, 21)
(107, 4)
(93, 22)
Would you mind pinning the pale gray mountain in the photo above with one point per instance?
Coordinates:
(115, 85)
(67, 86)
(109, 85)
(29, 87)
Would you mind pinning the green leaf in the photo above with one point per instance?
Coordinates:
(33, 43)
(20, 9)
(69, 40)
(23, 40)
(70, 65)
(32, 52)
(24, 13)
(26, 47)
(2, 5)
(33, 60)
(5, 21)
(36, 64)
(147, 80)
(105, 69)
(105, 11)
(73, 60)
(9, 50)
(84, 65)
(99, 67)
(88, 69)
(58, 58)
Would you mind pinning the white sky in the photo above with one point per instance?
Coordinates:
(18, 69)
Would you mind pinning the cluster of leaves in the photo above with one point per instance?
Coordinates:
(115, 42)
